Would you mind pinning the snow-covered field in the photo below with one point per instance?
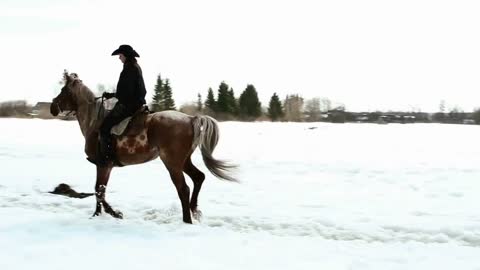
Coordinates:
(313, 196)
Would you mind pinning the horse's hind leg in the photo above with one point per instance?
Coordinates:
(197, 177)
(103, 175)
(183, 192)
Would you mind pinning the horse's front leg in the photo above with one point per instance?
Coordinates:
(103, 175)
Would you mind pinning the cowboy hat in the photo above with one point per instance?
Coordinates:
(126, 50)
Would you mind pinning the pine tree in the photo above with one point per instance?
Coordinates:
(210, 103)
(157, 95)
(275, 110)
(250, 106)
(232, 102)
(223, 105)
(168, 102)
(162, 98)
(199, 103)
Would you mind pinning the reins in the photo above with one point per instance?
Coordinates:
(100, 107)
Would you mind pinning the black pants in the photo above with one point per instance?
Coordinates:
(116, 115)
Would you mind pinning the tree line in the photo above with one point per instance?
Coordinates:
(223, 104)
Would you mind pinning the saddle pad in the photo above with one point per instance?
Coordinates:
(120, 127)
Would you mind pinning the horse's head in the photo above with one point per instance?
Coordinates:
(66, 100)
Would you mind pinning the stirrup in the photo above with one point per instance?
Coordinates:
(100, 162)
(115, 162)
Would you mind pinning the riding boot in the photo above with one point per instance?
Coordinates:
(105, 151)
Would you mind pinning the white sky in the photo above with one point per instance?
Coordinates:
(366, 54)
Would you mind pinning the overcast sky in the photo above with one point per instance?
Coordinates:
(367, 55)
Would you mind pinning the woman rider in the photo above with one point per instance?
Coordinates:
(131, 97)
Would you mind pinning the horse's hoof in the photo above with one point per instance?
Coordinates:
(117, 214)
(197, 215)
(96, 214)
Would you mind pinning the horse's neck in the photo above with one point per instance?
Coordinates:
(86, 116)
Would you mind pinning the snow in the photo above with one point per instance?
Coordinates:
(351, 196)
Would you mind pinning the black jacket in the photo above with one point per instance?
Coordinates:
(131, 87)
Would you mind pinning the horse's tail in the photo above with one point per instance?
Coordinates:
(206, 134)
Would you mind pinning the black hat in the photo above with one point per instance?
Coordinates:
(126, 50)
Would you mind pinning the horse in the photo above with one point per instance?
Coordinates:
(170, 135)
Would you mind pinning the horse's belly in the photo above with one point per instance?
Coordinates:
(135, 149)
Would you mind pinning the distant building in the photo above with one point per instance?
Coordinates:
(337, 116)
(362, 117)
(41, 110)
(382, 119)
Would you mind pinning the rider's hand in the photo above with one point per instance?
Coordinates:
(107, 95)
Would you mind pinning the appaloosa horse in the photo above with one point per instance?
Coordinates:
(170, 135)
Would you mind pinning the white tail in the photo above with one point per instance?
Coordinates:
(206, 135)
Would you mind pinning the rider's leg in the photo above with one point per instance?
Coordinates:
(105, 149)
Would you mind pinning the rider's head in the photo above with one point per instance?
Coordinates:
(126, 53)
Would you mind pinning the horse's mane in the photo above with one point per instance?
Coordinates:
(80, 90)
(92, 109)
(84, 95)
(83, 92)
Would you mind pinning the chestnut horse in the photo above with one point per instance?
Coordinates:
(173, 136)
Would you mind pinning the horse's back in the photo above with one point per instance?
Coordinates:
(171, 129)
(172, 118)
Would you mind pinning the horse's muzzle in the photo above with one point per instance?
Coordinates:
(54, 108)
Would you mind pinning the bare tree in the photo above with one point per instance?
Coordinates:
(100, 89)
(312, 110)
(456, 115)
(190, 108)
(14, 108)
(293, 106)
(441, 107)
(326, 104)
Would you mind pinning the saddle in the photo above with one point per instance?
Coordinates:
(132, 125)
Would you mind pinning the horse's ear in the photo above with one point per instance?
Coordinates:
(66, 78)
